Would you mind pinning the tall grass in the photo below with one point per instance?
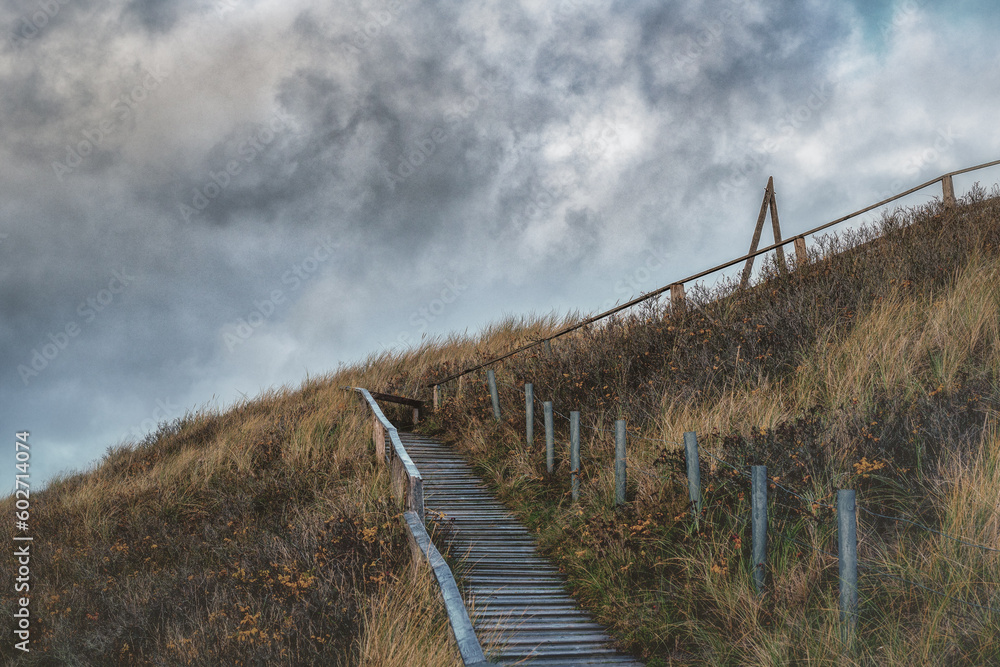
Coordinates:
(264, 535)
(875, 367)
(268, 535)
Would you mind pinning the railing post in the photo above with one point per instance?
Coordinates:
(758, 493)
(378, 435)
(847, 556)
(693, 472)
(677, 304)
(416, 416)
(948, 186)
(620, 478)
(529, 414)
(435, 398)
(574, 454)
(801, 256)
(491, 378)
(416, 496)
(548, 347)
(550, 439)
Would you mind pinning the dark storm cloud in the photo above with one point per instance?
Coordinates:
(155, 16)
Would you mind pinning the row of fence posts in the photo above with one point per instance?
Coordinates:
(846, 509)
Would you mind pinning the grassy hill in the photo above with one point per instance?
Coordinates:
(267, 535)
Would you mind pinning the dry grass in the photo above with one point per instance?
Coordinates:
(266, 534)
(877, 368)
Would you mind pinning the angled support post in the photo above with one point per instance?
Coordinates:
(769, 204)
(776, 228)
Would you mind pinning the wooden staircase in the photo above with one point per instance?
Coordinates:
(516, 598)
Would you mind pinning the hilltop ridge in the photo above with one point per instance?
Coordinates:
(267, 535)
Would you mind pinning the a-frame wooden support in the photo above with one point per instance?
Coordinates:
(771, 204)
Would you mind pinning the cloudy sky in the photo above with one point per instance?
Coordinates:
(202, 199)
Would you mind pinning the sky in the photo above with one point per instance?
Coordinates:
(204, 199)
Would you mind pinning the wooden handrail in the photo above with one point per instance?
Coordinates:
(414, 482)
(378, 396)
(418, 406)
(420, 542)
(702, 274)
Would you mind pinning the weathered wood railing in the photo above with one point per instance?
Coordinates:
(409, 487)
(406, 480)
(677, 295)
(418, 406)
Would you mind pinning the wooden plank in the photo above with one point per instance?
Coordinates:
(403, 400)
(517, 596)
(461, 624)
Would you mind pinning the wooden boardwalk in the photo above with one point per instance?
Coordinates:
(519, 607)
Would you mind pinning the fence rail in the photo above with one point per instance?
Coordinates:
(677, 287)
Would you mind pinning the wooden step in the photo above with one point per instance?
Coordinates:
(517, 599)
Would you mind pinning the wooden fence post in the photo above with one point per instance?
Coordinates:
(620, 478)
(378, 434)
(801, 256)
(677, 304)
(693, 472)
(529, 414)
(758, 517)
(550, 439)
(847, 557)
(574, 454)
(491, 378)
(948, 186)
(548, 347)
(436, 397)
